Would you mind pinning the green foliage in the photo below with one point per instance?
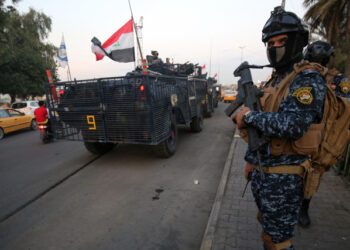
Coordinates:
(330, 19)
(24, 56)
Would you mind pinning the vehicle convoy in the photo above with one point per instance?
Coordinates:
(143, 107)
(216, 91)
(12, 120)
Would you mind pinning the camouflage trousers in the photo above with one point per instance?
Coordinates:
(279, 198)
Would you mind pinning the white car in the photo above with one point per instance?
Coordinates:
(26, 107)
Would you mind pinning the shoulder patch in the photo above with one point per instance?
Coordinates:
(303, 95)
(344, 86)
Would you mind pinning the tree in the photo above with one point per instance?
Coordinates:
(24, 56)
(331, 19)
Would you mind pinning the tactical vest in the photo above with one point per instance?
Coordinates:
(330, 75)
(271, 100)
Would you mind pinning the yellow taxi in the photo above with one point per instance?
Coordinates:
(229, 95)
(12, 120)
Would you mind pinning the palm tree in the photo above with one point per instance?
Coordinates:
(331, 18)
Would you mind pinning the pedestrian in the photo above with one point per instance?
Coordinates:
(280, 194)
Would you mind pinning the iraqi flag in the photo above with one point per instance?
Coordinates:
(119, 47)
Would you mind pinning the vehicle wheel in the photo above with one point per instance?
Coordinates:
(2, 134)
(33, 125)
(197, 124)
(167, 148)
(98, 147)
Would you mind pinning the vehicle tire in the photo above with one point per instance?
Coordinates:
(99, 147)
(197, 124)
(167, 148)
(2, 134)
(33, 125)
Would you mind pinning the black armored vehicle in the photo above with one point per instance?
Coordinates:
(143, 107)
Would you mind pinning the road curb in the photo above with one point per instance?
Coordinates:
(208, 238)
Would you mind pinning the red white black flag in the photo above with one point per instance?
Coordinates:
(119, 47)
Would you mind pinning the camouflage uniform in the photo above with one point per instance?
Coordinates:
(342, 85)
(279, 196)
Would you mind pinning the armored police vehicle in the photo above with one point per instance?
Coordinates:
(143, 107)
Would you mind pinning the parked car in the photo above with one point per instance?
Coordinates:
(26, 107)
(229, 96)
(12, 120)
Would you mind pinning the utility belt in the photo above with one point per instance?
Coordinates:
(311, 174)
(283, 169)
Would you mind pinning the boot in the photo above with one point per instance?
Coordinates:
(304, 219)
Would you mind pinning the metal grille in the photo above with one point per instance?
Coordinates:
(115, 110)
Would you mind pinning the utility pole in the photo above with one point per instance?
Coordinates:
(241, 47)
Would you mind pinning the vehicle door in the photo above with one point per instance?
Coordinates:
(192, 99)
(7, 122)
(20, 120)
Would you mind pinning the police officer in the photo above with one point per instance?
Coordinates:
(156, 59)
(279, 195)
(342, 86)
(320, 52)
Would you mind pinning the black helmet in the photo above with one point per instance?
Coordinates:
(319, 51)
(282, 22)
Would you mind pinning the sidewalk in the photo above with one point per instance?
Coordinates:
(233, 225)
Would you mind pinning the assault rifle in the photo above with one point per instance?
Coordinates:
(249, 94)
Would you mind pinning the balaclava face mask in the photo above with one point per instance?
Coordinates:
(281, 57)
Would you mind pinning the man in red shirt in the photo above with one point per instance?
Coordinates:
(41, 114)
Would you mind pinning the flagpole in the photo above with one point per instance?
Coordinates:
(137, 37)
(68, 73)
(70, 76)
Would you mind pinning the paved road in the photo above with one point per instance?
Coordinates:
(112, 203)
(28, 167)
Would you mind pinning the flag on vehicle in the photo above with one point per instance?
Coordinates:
(119, 47)
(215, 75)
(62, 54)
(203, 67)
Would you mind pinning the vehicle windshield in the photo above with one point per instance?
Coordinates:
(19, 105)
(227, 92)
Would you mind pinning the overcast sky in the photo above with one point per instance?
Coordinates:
(185, 30)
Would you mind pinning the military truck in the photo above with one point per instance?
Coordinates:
(139, 108)
(218, 96)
